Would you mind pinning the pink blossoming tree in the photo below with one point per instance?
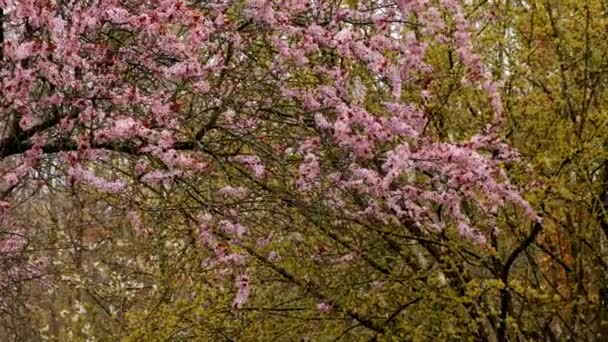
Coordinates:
(274, 133)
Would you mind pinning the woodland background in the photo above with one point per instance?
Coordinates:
(85, 258)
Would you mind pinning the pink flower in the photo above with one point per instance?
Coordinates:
(11, 178)
(233, 228)
(13, 244)
(118, 15)
(121, 128)
(25, 50)
(323, 308)
(321, 121)
(253, 163)
(88, 177)
(265, 241)
(273, 256)
(309, 172)
(27, 121)
(243, 291)
(237, 193)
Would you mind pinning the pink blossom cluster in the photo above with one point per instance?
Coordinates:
(243, 291)
(78, 174)
(253, 163)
